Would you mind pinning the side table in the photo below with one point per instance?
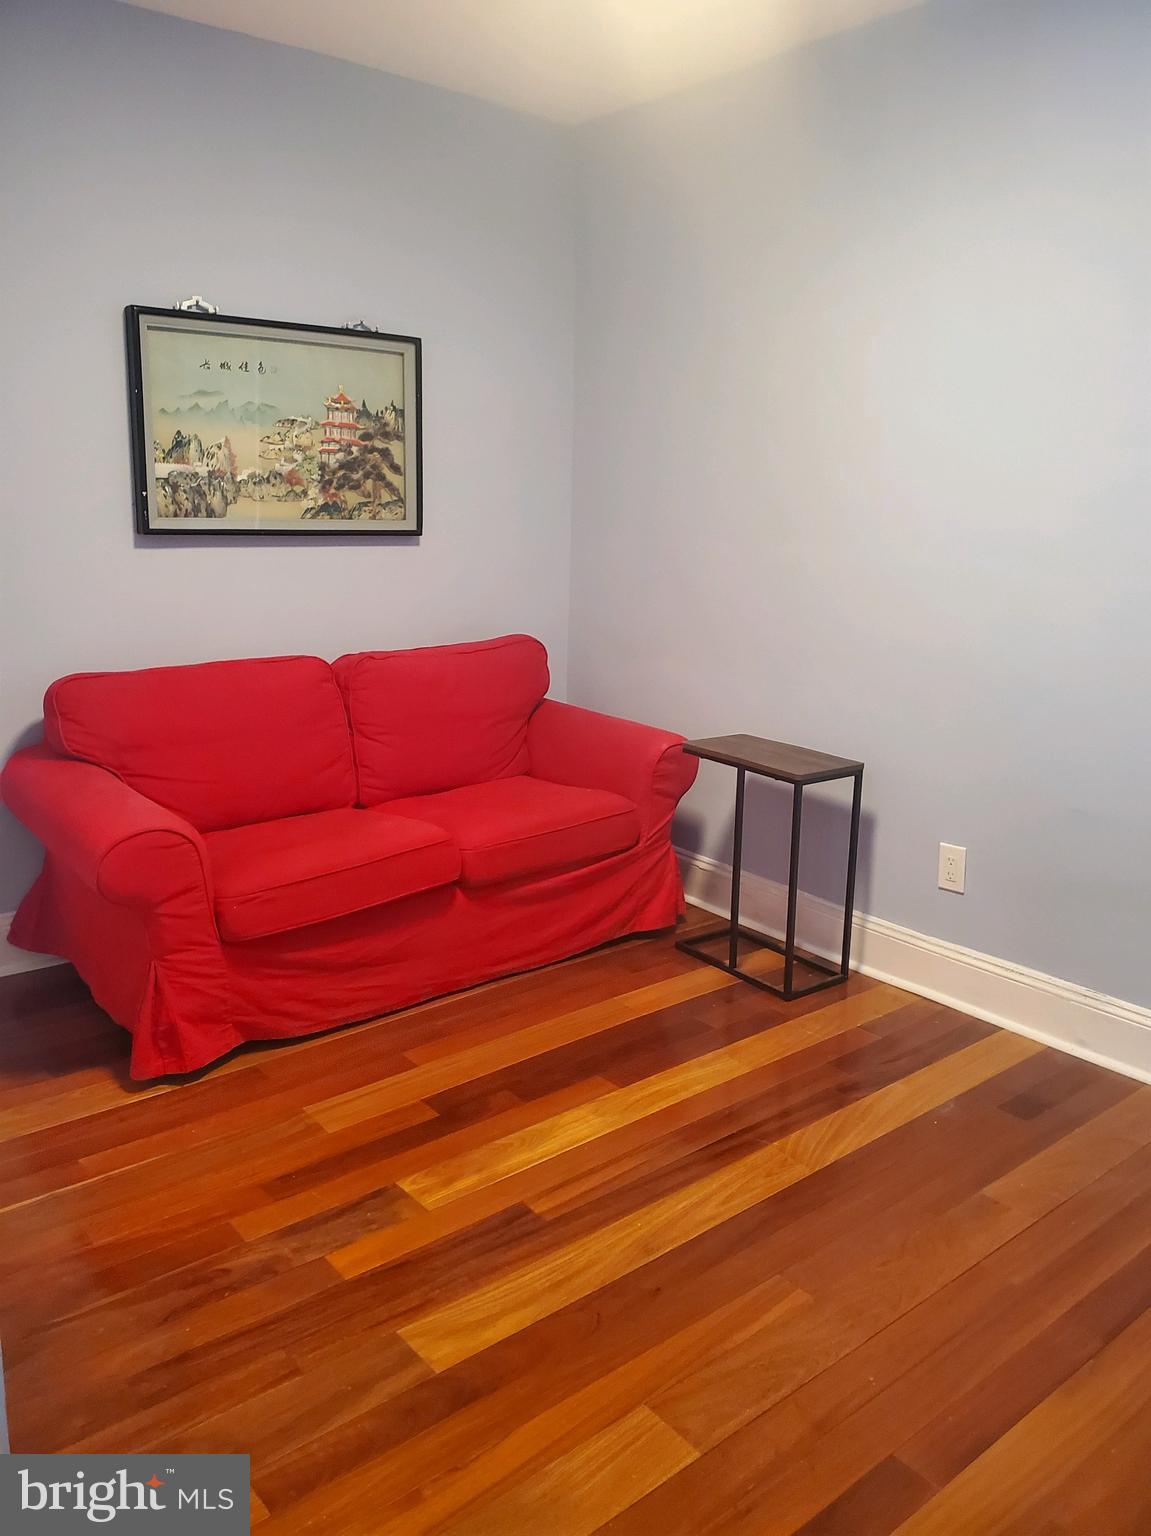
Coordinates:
(797, 766)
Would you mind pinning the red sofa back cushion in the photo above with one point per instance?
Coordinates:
(223, 744)
(443, 716)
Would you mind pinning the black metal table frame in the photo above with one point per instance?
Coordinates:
(733, 932)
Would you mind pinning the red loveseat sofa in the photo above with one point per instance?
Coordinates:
(246, 850)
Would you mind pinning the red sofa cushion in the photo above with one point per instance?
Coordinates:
(441, 717)
(221, 744)
(508, 829)
(277, 875)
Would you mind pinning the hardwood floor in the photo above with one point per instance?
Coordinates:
(593, 1249)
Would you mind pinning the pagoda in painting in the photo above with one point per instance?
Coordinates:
(340, 431)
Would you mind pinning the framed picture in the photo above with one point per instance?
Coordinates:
(261, 426)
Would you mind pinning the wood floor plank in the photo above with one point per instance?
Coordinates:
(874, 1505)
(369, 1171)
(467, 1467)
(593, 1407)
(563, 1354)
(882, 1351)
(70, 1103)
(476, 1060)
(577, 1493)
(1009, 1486)
(1051, 1175)
(620, 1245)
(841, 1134)
(333, 1385)
(510, 1302)
(761, 1106)
(495, 1160)
(1120, 1503)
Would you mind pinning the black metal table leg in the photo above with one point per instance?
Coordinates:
(736, 869)
(852, 856)
(792, 892)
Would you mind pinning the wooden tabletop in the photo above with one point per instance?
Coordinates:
(774, 759)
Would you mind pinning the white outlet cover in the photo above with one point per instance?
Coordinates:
(952, 868)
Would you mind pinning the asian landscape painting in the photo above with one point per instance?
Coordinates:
(247, 426)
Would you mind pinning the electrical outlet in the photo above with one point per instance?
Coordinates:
(952, 868)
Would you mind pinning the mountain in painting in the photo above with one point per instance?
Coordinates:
(248, 413)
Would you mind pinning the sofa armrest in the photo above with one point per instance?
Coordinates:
(122, 845)
(577, 746)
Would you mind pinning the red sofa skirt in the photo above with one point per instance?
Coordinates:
(190, 1006)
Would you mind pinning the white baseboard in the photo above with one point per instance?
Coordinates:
(14, 960)
(1102, 1029)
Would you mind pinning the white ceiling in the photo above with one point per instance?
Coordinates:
(569, 60)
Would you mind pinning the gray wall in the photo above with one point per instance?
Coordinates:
(861, 447)
(145, 158)
(862, 455)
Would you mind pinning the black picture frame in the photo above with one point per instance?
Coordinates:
(139, 319)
